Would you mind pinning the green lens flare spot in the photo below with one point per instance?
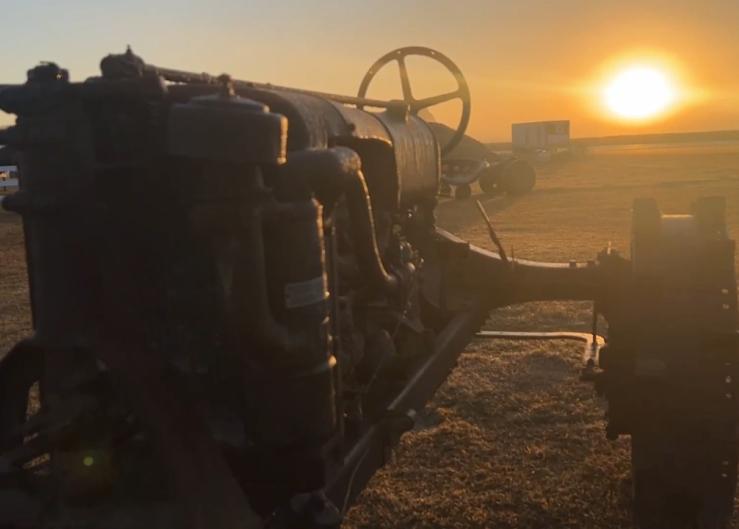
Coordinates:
(88, 461)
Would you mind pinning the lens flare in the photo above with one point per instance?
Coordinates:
(638, 93)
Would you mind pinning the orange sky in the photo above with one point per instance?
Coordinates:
(524, 60)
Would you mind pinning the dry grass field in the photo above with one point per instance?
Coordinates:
(15, 319)
(513, 439)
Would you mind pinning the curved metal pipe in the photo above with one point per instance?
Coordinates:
(364, 235)
(332, 173)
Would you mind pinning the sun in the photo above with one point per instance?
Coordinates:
(639, 93)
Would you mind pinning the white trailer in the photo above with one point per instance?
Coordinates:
(540, 136)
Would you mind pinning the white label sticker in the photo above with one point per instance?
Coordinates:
(305, 293)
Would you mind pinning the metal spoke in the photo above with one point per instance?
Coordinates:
(435, 100)
(404, 80)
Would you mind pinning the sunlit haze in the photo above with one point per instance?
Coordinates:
(526, 60)
(639, 93)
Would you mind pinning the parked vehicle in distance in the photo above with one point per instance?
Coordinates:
(540, 136)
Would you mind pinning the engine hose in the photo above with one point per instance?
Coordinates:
(332, 173)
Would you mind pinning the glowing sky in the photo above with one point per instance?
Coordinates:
(524, 59)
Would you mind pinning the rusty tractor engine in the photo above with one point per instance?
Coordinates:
(240, 301)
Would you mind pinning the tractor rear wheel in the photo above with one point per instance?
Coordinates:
(519, 177)
(490, 180)
(462, 191)
(677, 342)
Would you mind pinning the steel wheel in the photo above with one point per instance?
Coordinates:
(414, 106)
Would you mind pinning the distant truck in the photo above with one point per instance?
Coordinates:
(538, 136)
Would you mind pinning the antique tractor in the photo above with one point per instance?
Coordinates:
(241, 300)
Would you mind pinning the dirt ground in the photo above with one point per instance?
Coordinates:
(513, 439)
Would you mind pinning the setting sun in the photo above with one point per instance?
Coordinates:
(639, 92)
